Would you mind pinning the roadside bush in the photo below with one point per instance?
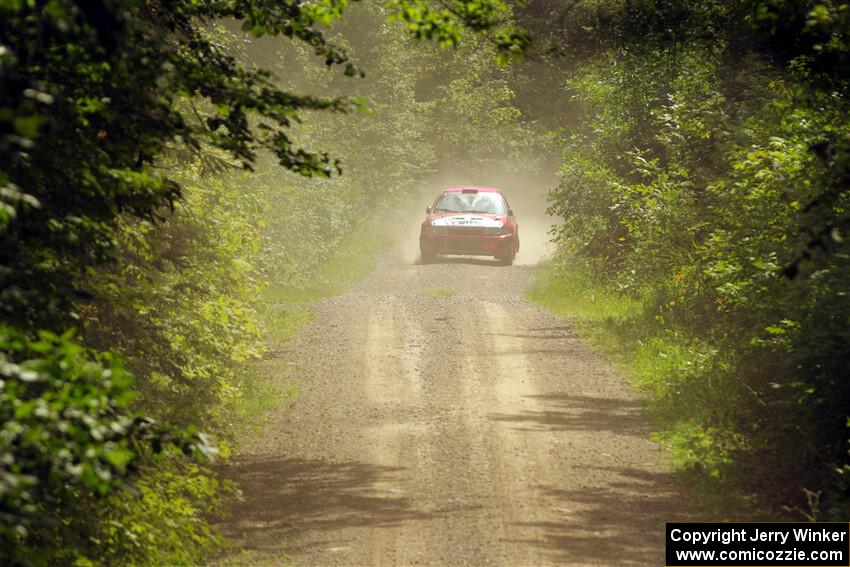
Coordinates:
(181, 304)
(68, 437)
(707, 181)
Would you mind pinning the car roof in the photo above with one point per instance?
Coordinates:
(460, 189)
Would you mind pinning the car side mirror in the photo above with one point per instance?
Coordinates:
(427, 210)
(510, 212)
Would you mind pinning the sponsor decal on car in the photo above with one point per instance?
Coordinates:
(469, 221)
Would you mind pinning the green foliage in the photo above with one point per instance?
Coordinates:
(67, 434)
(444, 23)
(707, 180)
(692, 446)
(180, 304)
(163, 520)
(65, 425)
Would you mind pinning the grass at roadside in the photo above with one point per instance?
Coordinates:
(663, 364)
(439, 292)
(574, 293)
(600, 315)
(284, 310)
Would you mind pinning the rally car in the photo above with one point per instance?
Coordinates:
(474, 221)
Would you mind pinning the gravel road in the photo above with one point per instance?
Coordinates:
(471, 429)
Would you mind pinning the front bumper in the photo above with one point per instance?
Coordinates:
(472, 245)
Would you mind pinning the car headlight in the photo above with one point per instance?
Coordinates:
(440, 229)
(496, 231)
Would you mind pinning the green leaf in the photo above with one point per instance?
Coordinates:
(119, 457)
(27, 126)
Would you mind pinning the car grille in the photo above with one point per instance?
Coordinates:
(466, 230)
(470, 245)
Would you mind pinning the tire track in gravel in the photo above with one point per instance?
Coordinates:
(467, 430)
(394, 382)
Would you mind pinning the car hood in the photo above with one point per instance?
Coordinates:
(468, 220)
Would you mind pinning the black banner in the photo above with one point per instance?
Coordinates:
(825, 544)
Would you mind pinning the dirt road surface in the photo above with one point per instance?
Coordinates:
(465, 429)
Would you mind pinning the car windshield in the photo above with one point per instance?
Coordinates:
(454, 202)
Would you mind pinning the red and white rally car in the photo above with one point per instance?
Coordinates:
(470, 221)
